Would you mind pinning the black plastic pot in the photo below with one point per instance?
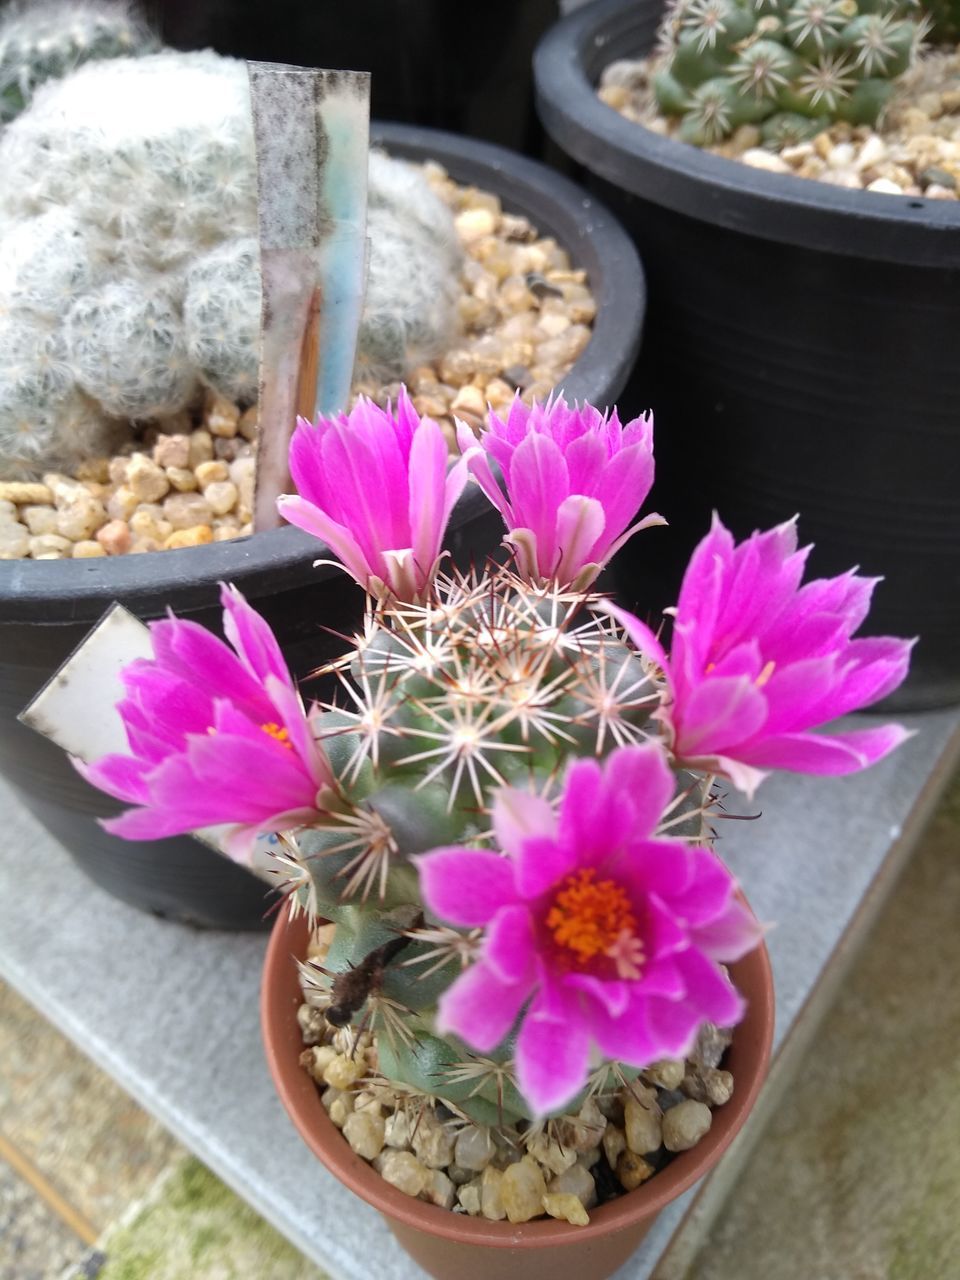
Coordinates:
(465, 68)
(47, 607)
(798, 353)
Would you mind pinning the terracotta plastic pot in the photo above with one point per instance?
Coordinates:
(794, 357)
(455, 1247)
(47, 608)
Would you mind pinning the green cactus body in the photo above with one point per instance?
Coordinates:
(482, 687)
(725, 63)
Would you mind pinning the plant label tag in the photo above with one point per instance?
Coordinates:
(312, 138)
(77, 707)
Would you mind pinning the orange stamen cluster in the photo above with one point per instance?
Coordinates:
(278, 732)
(590, 917)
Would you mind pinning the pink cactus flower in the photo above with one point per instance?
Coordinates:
(598, 936)
(757, 661)
(374, 486)
(573, 479)
(217, 735)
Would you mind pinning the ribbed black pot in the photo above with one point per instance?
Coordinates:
(798, 354)
(47, 607)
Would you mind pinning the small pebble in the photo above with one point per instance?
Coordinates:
(469, 1197)
(145, 480)
(182, 479)
(87, 550)
(22, 492)
(551, 1154)
(172, 451)
(398, 1130)
(614, 1142)
(342, 1072)
(567, 1207)
(757, 158)
(196, 536)
(364, 1132)
(643, 1128)
(402, 1170)
(576, 1181)
(491, 1198)
(80, 518)
(223, 417)
(201, 447)
(522, 1189)
(439, 1190)
(209, 472)
(47, 543)
(668, 1073)
(472, 224)
(474, 1148)
(40, 519)
(340, 1108)
(186, 510)
(122, 503)
(632, 1170)
(114, 537)
(14, 541)
(221, 495)
(685, 1124)
(432, 1142)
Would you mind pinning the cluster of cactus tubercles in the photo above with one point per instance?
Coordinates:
(493, 682)
(789, 67)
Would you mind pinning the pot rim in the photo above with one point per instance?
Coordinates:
(277, 559)
(712, 189)
(279, 1000)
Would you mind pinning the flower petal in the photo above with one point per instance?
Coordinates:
(828, 753)
(553, 1047)
(509, 947)
(480, 1008)
(519, 814)
(465, 886)
(580, 524)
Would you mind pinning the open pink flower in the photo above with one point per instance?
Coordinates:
(574, 479)
(757, 661)
(374, 486)
(216, 736)
(595, 933)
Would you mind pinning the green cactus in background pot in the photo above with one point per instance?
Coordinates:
(790, 67)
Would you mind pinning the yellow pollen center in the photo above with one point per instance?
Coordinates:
(278, 732)
(591, 917)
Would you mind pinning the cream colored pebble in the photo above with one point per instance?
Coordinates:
(196, 536)
(88, 550)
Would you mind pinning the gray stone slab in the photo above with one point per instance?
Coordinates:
(172, 1013)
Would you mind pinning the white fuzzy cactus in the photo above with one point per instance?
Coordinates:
(129, 259)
